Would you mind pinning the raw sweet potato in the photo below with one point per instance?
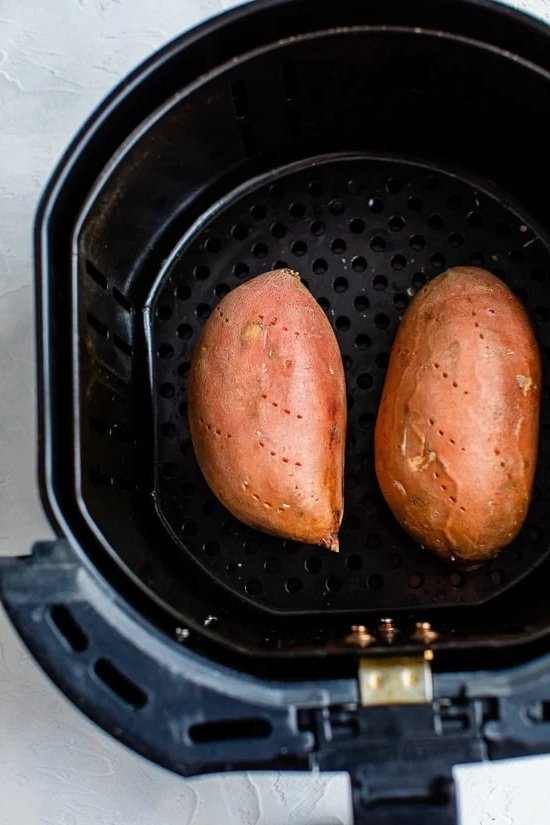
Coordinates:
(267, 409)
(457, 429)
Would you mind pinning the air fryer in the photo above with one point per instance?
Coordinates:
(369, 147)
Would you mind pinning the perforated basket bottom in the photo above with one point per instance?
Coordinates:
(365, 234)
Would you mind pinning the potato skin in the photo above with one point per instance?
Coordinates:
(457, 430)
(267, 409)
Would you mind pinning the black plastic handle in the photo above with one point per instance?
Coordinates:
(194, 715)
(400, 764)
(159, 697)
(184, 712)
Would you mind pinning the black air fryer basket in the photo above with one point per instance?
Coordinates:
(369, 146)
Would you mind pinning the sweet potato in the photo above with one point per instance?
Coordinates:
(267, 409)
(457, 429)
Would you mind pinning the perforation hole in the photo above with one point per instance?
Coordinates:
(336, 207)
(272, 565)
(167, 390)
(338, 246)
(253, 587)
(186, 447)
(436, 221)
(358, 264)
(201, 272)
(437, 260)
(355, 186)
(366, 421)
(299, 248)
(396, 223)
(221, 290)
(183, 292)
(239, 232)
(259, 250)
(416, 580)
(418, 280)
(377, 244)
(354, 562)
(211, 548)
(165, 351)
(362, 342)
(313, 564)
(294, 585)
(317, 228)
(380, 282)
(184, 331)
(375, 582)
(375, 205)
(400, 301)
(241, 270)
(203, 311)
(297, 209)
(474, 219)
(278, 230)
(342, 323)
(365, 381)
(168, 430)
(356, 226)
(319, 266)
(394, 186)
(340, 285)
(417, 242)
(456, 239)
(414, 203)
(398, 262)
(361, 303)
(478, 258)
(381, 321)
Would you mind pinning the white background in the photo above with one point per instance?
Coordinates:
(57, 60)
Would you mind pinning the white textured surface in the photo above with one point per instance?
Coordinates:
(57, 60)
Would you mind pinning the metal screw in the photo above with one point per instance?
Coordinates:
(424, 633)
(359, 636)
(182, 633)
(388, 630)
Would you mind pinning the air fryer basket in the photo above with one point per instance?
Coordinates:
(368, 148)
(296, 157)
